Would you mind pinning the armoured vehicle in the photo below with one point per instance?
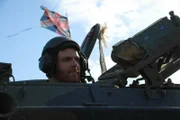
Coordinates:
(152, 53)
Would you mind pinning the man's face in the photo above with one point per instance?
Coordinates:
(68, 68)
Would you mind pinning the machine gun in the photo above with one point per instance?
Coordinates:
(152, 53)
(155, 57)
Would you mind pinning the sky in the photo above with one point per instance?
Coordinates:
(124, 18)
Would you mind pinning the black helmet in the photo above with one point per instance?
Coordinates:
(60, 42)
(48, 58)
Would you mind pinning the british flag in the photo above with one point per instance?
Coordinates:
(55, 22)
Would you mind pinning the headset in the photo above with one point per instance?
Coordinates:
(47, 60)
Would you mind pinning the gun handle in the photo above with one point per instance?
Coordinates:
(174, 18)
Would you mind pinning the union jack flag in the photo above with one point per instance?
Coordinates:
(55, 22)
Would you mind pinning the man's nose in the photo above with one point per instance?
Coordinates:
(75, 62)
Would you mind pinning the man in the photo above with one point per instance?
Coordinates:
(62, 61)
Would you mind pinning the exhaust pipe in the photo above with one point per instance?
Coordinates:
(7, 106)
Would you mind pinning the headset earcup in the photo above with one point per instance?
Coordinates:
(45, 63)
(84, 61)
(85, 67)
(82, 67)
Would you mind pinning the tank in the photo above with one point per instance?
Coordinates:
(152, 53)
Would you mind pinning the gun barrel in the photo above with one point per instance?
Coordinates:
(8, 105)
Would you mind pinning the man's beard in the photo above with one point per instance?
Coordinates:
(73, 75)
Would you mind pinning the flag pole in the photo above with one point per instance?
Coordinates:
(68, 24)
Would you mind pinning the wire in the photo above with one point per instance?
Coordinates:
(25, 30)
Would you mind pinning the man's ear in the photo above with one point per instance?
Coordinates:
(54, 67)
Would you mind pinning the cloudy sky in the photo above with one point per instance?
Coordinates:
(124, 18)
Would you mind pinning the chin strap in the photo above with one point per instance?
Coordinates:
(89, 78)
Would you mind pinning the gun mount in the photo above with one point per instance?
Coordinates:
(152, 53)
(5, 72)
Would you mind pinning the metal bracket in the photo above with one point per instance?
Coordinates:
(154, 93)
(99, 99)
(21, 92)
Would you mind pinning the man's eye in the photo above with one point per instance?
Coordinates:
(66, 59)
(69, 59)
(77, 59)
